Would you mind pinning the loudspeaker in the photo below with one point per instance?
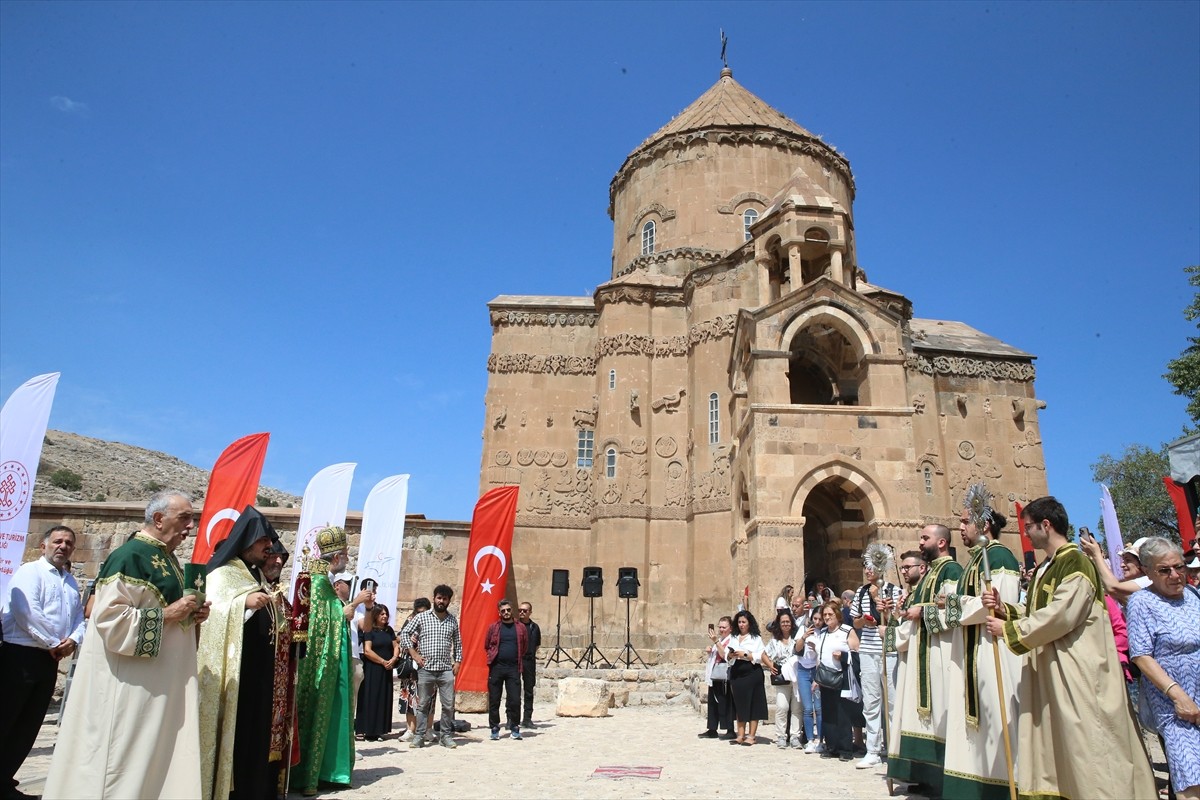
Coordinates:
(627, 582)
(593, 582)
(560, 583)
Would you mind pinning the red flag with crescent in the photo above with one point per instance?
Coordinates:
(232, 486)
(489, 563)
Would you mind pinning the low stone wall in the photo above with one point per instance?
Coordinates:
(655, 686)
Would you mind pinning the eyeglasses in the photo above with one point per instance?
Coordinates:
(1164, 571)
(524, 611)
(907, 567)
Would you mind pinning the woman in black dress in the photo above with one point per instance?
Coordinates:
(379, 659)
(747, 656)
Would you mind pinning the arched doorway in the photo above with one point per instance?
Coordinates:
(838, 514)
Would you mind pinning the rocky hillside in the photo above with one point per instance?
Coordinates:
(75, 468)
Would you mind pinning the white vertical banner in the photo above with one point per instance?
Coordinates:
(1112, 529)
(325, 501)
(23, 423)
(379, 549)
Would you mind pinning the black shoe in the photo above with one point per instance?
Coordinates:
(725, 737)
(707, 735)
(527, 723)
(846, 757)
(829, 754)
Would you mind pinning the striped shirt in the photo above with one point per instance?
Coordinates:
(862, 605)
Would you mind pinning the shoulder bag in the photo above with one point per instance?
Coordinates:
(829, 677)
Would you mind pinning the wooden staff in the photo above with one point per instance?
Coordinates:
(1008, 756)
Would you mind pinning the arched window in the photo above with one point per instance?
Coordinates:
(612, 379)
(928, 472)
(714, 418)
(583, 452)
(610, 463)
(749, 217)
(648, 237)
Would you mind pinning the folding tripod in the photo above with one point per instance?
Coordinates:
(590, 656)
(559, 653)
(629, 650)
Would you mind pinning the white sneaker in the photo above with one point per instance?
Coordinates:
(870, 760)
(814, 747)
(781, 744)
(407, 737)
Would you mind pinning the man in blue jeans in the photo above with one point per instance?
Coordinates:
(505, 644)
(438, 655)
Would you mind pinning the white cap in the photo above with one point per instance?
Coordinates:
(343, 576)
(1134, 549)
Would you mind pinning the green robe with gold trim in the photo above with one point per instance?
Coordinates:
(976, 767)
(917, 735)
(131, 726)
(1076, 735)
(323, 694)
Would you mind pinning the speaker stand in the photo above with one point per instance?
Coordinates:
(629, 651)
(592, 657)
(559, 653)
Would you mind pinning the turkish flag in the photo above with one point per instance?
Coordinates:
(232, 486)
(489, 562)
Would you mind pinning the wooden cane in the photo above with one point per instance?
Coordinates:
(1008, 756)
(887, 726)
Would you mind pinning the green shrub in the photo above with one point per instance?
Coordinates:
(66, 479)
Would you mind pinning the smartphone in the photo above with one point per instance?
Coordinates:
(711, 627)
(1086, 532)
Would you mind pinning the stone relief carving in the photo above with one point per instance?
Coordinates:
(571, 495)
(635, 405)
(541, 457)
(665, 446)
(669, 403)
(715, 482)
(499, 417)
(524, 457)
(966, 449)
(524, 418)
(612, 494)
(970, 367)
(698, 254)
(987, 407)
(918, 403)
(664, 214)
(737, 200)
(635, 484)
(1018, 410)
(638, 445)
(712, 329)
(551, 319)
(538, 364)
(1025, 454)
(549, 420)
(796, 143)
(960, 400)
(559, 458)
(503, 458)
(586, 418)
(677, 490)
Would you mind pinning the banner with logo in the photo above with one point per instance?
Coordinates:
(23, 423)
(325, 501)
(1112, 530)
(489, 562)
(232, 485)
(379, 549)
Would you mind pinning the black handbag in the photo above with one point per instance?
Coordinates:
(827, 676)
(406, 668)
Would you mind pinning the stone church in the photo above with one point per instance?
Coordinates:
(737, 406)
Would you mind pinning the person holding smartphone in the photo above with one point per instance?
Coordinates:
(749, 656)
(716, 674)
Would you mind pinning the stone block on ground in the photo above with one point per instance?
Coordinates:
(582, 697)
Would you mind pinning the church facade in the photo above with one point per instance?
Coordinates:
(737, 408)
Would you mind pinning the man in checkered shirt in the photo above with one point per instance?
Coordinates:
(438, 654)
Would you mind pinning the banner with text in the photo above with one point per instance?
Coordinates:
(232, 485)
(380, 547)
(489, 562)
(325, 501)
(23, 423)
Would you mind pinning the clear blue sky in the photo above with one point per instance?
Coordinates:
(223, 218)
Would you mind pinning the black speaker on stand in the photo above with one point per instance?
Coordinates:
(627, 587)
(560, 585)
(593, 587)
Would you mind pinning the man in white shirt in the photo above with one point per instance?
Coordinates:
(356, 611)
(42, 624)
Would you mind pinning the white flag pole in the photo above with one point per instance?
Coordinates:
(23, 423)
(324, 504)
(380, 548)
